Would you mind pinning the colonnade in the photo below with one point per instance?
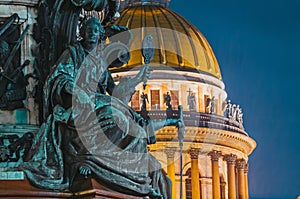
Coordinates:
(237, 174)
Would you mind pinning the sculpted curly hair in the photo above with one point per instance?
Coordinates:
(86, 22)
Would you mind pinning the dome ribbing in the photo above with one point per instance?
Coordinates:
(178, 43)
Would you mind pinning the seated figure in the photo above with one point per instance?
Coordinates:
(90, 129)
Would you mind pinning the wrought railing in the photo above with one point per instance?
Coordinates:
(199, 119)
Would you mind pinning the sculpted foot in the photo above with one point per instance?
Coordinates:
(154, 195)
(85, 170)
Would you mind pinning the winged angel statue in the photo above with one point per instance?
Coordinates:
(88, 129)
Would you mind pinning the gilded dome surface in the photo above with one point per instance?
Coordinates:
(178, 43)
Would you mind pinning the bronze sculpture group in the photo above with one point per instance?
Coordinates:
(89, 130)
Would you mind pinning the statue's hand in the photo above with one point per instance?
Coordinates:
(180, 123)
(171, 122)
(144, 74)
(174, 122)
(154, 195)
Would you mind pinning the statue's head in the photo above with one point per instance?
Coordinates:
(91, 30)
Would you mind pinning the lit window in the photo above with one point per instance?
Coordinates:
(155, 100)
(174, 97)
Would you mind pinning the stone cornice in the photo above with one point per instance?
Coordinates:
(237, 141)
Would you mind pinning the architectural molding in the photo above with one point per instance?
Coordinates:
(170, 73)
(199, 135)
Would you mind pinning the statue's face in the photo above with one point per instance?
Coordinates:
(92, 33)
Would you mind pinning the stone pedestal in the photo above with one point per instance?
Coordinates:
(20, 189)
(23, 189)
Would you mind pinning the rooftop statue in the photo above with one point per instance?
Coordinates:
(167, 101)
(89, 129)
(191, 100)
(144, 112)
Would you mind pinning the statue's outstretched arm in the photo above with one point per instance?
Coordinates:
(168, 122)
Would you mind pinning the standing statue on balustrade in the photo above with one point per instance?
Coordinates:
(210, 105)
(191, 101)
(167, 101)
(213, 105)
(234, 112)
(240, 116)
(144, 112)
(227, 112)
(145, 100)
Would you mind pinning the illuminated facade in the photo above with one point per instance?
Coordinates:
(216, 146)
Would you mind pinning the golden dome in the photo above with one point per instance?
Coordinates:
(178, 43)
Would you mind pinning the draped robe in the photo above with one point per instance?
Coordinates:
(85, 126)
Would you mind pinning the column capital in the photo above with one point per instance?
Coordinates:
(194, 153)
(230, 159)
(215, 155)
(240, 164)
(170, 152)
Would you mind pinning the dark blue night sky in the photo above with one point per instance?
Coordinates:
(257, 45)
